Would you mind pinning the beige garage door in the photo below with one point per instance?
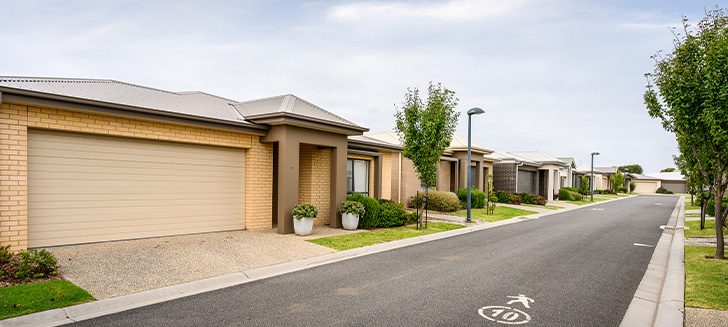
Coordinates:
(89, 188)
(675, 186)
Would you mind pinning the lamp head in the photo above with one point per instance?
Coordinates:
(475, 111)
(595, 153)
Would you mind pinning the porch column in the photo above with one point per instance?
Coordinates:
(338, 182)
(288, 162)
(550, 185)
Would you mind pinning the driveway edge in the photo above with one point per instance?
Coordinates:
(67, 315)
(659, 299)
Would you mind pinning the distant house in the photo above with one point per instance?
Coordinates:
(647, 184)
(533, 172)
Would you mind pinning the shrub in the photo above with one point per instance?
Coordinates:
(391, 214)
(304, 211)
(571, 189)
(632, 186)
(516, 199)
(622, 189)
(662, 190)
(411, 218)
(371, 210)
(35, 264)
(529, 198)
(477, 198)
(5, 254)
(710, 206)
(567, 195)
(440, 201)
(352, 207)
(502, 196)
(607, 192)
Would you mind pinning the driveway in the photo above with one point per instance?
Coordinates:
(123, 267)
(580, 268)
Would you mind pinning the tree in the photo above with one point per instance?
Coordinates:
(688, 92)
(492, 198)
(667, 170)
(634, 169)
(632, 186)
(617, 181)
(426, 129)
(696, 183)
(585, 185)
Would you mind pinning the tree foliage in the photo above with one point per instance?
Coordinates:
(617, 181)
(688, 92)
(633, 168)
(427, 128)
(667, 170)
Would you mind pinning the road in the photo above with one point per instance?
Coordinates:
(580, 267)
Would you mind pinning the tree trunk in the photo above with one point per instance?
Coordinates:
(703, 204)
(720, 246)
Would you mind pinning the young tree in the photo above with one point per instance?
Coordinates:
(584, 185)
(688, 92)
(492, 198)
(633, 168)
(426, 129)
(696, 183)
(617, 181)
(667, 170)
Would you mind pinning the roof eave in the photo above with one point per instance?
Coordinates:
(375, 145)
(288, 118)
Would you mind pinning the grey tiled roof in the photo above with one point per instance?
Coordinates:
(114, 92)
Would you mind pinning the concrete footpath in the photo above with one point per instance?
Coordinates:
(118, 304)
(659, 299)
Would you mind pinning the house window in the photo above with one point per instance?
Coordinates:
(357, 176)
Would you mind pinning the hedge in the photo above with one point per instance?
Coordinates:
(440, 201)
(568, 195)
(477, 198)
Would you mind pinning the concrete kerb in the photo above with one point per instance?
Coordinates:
(104, 307)
(659, 299)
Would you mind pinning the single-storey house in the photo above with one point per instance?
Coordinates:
(90, 160)
(452, 172)
(568, 173)
(515, 174)
(648, 184)
(547, 176)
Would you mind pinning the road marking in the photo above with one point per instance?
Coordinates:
(657, 204)
(504, 315)
(645, 245)
(597, 209)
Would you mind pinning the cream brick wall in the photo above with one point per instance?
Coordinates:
(16, 118)
(314, 180)
(387, 158)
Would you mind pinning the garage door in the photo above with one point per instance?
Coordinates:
(89, 188)
(675, 186)
(525, 181)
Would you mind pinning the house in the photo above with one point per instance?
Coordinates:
(549, 172)
(452, 171)
(91, 160)
(515, 174)
(648, 184)
(568, 173)
(602, 176)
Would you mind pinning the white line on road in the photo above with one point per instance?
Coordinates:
(645, 245)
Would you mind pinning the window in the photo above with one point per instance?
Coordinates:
(357, 176)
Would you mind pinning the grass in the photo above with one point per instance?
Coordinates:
(705, 279)
(540, 206)
(29, 298)
(357, 240)
(694, 229)
(500, 213)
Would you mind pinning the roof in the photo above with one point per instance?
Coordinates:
(114, 92)
(510, 157)
(370, 141)
(291, 104)
(607, 170)
(641, 177)
(671, 176)
(193, 103)
(538, 156)
(568, 160)
(386, 137)
(459, 142)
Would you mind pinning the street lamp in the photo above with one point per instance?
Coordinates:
(591, 181)
(471, 112)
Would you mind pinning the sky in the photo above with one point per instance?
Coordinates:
(565, 77)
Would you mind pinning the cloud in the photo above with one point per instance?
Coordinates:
(453, 10)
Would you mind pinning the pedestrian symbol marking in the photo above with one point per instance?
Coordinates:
(520, 299)
(504, 315)
(507, 314)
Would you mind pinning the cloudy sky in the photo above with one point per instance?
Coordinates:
(561, 76)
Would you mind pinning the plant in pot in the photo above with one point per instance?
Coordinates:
(350, 212)
(303, 215)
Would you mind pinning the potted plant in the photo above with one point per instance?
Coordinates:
(303, 215)
(350, 212)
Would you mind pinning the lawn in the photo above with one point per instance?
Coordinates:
(694, 229)
(357, 240)
(500, 213)
(29, 298)
(705, 279)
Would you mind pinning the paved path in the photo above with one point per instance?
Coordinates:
(580, 267)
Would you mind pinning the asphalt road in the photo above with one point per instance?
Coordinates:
(581, 268)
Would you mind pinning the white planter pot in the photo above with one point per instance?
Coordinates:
(303, 226)
(350, 221)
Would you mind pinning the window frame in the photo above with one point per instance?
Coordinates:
(350, 162)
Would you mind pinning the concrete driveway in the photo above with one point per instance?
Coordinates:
(123, 267)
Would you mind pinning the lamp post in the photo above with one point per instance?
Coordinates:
(591, 180)
(471, 112)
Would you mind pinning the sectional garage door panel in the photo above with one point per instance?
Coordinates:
(525, 181)
(675, 186)
(91, 188)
